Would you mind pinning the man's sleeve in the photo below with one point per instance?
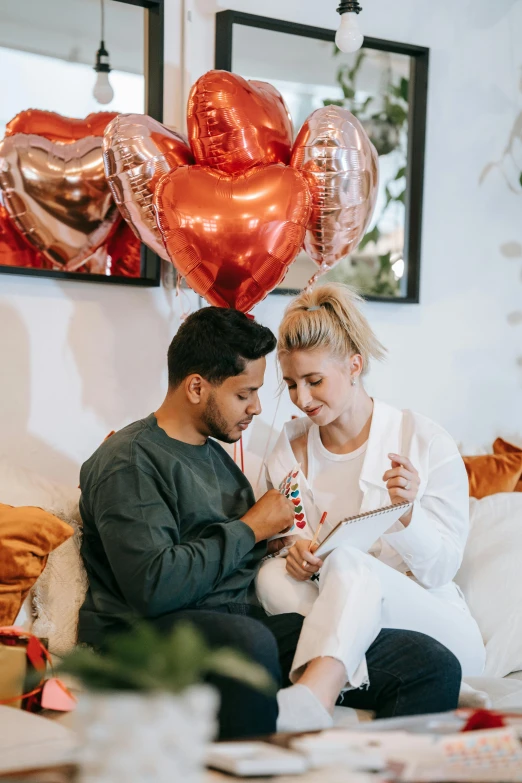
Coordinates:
(140, 535)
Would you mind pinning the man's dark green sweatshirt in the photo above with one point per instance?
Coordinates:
(162, 529)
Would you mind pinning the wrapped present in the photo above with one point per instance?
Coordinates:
(25, 663)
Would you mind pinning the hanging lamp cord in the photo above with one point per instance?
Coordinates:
(102, 4)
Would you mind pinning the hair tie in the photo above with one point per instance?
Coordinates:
(315, 307)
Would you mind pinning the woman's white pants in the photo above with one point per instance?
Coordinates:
(355, 598)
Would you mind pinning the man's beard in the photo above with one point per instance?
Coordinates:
(215, 423)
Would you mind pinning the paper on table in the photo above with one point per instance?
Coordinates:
(486, 756)
(28, 741)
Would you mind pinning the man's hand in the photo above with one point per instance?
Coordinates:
(271, 515)
(300, 562)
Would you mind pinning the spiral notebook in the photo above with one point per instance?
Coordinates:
(362, 530)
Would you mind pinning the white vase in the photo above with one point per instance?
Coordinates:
(137, 737)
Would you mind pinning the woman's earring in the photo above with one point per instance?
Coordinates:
(353, 381)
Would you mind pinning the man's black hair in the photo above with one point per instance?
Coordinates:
(216, 343)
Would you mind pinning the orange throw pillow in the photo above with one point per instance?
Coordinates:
(501, 446)
(492, 473)
(27, 536)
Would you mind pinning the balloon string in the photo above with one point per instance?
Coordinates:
(180, 294)
(22, 695)
(313, 280)
(241, 454)
(267, 446)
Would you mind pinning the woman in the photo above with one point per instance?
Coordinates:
(358, 454)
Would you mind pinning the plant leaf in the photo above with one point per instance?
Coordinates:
(229, 663)
(328, 102)
(396, 114)
(349, 92)
(143, 659)
(357, 65)
(371, 236)
(405, 89)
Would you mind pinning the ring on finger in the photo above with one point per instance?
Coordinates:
(407, 485)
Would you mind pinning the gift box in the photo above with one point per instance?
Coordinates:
(25, 664)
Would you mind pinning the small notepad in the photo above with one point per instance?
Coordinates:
(362, 530)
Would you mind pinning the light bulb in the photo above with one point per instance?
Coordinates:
(103, 91)
(349, 37)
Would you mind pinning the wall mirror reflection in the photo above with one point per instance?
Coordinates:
(385, 86)
(48, 51)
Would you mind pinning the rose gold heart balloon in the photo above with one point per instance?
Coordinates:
(137, 152)
(234, 124)
(57, 196)
(340, 164)
(233, 237)
(120, 256)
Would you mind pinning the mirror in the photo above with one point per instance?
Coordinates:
(385, 87)
(47, 54)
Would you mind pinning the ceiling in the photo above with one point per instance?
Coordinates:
(70, 30)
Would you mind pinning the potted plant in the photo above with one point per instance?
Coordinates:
(145, 713)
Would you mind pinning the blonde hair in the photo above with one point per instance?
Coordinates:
(329, 317)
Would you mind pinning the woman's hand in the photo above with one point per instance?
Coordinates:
(402, 482)
(300, 562)
(276, 544)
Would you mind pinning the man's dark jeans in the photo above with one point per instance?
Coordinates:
(410, 673)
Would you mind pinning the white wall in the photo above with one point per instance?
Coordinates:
(80, 359)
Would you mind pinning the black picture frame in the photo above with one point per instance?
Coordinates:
(153, 67)
(418, 98)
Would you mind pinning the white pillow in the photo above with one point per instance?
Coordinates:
(55, 599)
(20, 487)
(490, 577)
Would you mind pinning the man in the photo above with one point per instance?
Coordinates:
(172, 532)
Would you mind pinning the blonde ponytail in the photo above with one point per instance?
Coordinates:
(329, 317)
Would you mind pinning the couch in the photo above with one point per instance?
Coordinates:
(488, 577)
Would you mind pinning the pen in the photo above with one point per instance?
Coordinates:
(316, 534)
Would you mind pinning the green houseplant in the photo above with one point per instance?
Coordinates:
(146, 713)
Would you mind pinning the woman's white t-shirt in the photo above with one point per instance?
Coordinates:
(335, 479)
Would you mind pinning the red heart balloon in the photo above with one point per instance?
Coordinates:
(54, 127)
(234, 124)
(14, 251)
(232, 238)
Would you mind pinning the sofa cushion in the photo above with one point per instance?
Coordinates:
(27, 534)
(20, 487)
(502, 446)
(490, 579)
(490, 474)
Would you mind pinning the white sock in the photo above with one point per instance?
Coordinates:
(470, 697)
(301, 710)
